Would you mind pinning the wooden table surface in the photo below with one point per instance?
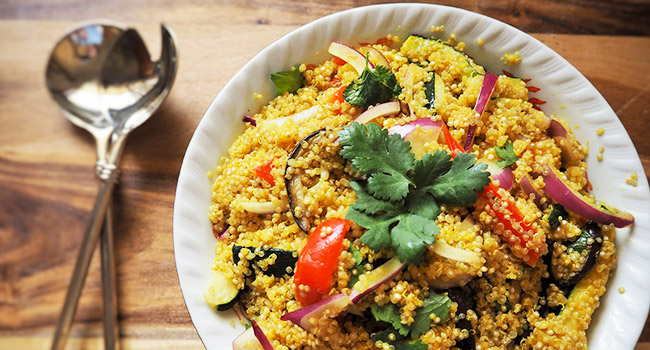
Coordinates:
(47, 186)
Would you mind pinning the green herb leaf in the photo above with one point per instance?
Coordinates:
(436, 304)
(507, 153)
(411, 236)
(554, 217)
(399, 204)
(372, 87)
(386, 158)
(358, 265)
(397, 343)
(290, 80)
(581, 243)
(389, 313)
(459, 185)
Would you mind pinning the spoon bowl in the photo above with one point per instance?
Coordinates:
(103, 80)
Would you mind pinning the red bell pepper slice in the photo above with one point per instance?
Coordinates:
(317, 262)
(263, 171)
(338, 96)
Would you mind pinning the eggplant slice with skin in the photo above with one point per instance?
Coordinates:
(591, 240)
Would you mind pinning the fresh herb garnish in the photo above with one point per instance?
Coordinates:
(581, 243)
(437, 304)
(374, 86)
(389, 313)
(506, 153)
(397, 342)
(554, 217)
(434, 304)
(248, 325)
(290, 80)
(399, 203)
(358, 265)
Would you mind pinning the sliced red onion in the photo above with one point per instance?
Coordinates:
(380, 110)
(370, 281)
(259, 334)
(332, 305)
(450, 252)
(224, 231)
(246, 341)
(526, 184)
(406, 129)
(571, 200)
(375, 56)
(489, 83)
(503, 175)
(350, 55)
(418, 133)
(562, 138)
(249, 119)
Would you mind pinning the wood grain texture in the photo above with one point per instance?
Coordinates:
(47, 186)
(621, 17)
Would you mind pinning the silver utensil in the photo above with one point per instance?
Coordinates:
(103, 79)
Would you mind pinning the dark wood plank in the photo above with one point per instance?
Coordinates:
(622, 17)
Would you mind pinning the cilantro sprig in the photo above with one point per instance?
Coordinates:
(400, 201)
(374, 86)
(433, 304)
(290, 80)
(507, 154)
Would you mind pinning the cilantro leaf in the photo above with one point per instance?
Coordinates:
(290, 80)
(389, 313)
(411, 236)
(506, 153)
(358, 265)
(554, 217)
(430, 167)
(459, 185)
(397, 343)
(422, 204)
(581, 243)
(387, 158)
(378, 234)
(369, 204)
(436, 304)
(374, 86)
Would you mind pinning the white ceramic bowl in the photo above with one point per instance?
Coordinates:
(619, 319)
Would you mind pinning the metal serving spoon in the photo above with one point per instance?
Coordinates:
(103, 79)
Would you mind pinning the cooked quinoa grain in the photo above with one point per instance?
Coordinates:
(495, 268)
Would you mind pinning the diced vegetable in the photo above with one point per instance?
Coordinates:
(370, 281)
(527, 185)
(419, 132)
(247, 341)
(433, 90)
(454, 147)
(222, 292)
(259, 334)
(329, 307)
(291, 182)
(566, 142)
(349, 55)
(318, 260)
(591, 238)
(561, 193)
(265, 207)
(376, 57)
(297, 118)
(502, 176)
(446, 251)
(554, 216)
(263, 171)
(381, 110)
(489, 83)
(443, 282)
(285, 261)
(250, 120)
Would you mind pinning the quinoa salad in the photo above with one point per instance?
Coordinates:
(401, 196)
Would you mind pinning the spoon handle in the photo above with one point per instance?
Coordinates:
(109, 286)
(91, 238)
